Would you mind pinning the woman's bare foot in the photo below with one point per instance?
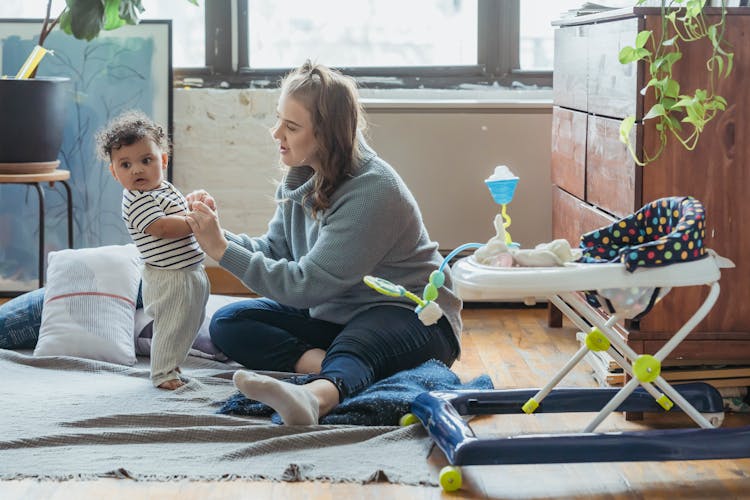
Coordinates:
(171, 385)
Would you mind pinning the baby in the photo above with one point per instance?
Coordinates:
(175, 285)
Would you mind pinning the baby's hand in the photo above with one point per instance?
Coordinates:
(202, 196)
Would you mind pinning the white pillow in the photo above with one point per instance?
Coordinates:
(202, 346)
(89, 304)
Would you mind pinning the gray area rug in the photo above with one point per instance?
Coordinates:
(71, 418)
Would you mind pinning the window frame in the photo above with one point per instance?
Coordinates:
(498, 59)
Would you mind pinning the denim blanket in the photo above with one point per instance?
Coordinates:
(383, 403)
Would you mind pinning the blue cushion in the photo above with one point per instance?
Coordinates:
(20, 319)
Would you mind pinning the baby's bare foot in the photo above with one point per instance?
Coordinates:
(171, 385)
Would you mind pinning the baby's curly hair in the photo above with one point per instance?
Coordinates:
(129, 128)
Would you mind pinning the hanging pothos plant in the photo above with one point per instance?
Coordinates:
(682, 116)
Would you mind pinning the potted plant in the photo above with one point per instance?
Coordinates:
(32, 116)
(678, 114)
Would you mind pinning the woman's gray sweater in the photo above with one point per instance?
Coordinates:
(373, 226)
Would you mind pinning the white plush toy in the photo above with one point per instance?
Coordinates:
(496, 253)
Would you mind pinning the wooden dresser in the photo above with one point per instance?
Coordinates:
(596, 181)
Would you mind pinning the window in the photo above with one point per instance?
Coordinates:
(23, 9)
(384, 43)
(188, 29)
(422, 33)
(536, 33)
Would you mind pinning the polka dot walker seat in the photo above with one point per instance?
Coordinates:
(663, 232)
(627, 267)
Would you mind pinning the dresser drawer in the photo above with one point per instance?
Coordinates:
(592, 218)
(569, 78)
(613, 88)
(569, 150)
(566, 220)
(612, 177)
(572, 217)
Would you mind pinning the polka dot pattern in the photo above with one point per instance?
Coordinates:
(666, 231)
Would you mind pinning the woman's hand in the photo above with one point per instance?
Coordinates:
(202, 196)
(204, 222)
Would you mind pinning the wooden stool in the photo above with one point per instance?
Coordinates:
(36, 179)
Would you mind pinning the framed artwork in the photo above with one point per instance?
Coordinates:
(127, 68)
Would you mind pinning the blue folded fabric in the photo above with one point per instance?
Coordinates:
(20, 319)
(383, 403)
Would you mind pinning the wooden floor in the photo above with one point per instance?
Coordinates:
(516, 349)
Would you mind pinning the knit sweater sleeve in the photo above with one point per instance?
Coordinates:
(360, 230)
(273, 244)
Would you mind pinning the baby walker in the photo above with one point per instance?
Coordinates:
(623, 270)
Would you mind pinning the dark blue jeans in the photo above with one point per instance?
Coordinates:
(262, 334)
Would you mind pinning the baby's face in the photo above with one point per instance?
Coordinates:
(139, 166)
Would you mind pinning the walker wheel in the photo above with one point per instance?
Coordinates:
(408, 419)
(450, 478)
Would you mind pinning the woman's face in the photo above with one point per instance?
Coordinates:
(294, 133)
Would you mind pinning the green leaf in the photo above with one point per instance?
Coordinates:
(694, 8)
(641, 39)
(668, 103)
(712, 35)
(730, 64)
(65, 22)
(717, 103)
(86, 18)
(112, 18)
(650, 83)
(719, 62)
(671, 88)
(625, 127)
(673, 123)
(673, 57)
(627, 55)
(656, 110)
(642, 53)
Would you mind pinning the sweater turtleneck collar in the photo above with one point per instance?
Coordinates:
(297, 182)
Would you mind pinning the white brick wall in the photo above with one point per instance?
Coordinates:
(222, 144)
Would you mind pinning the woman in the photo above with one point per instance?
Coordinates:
(342, 213)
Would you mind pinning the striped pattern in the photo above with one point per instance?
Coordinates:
(140, 209)
(177, 302)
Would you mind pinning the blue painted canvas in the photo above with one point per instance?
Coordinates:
(122, 69)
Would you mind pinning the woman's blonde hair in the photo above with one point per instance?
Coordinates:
(333, 103)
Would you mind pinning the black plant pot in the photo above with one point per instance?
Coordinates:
(32, 118)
